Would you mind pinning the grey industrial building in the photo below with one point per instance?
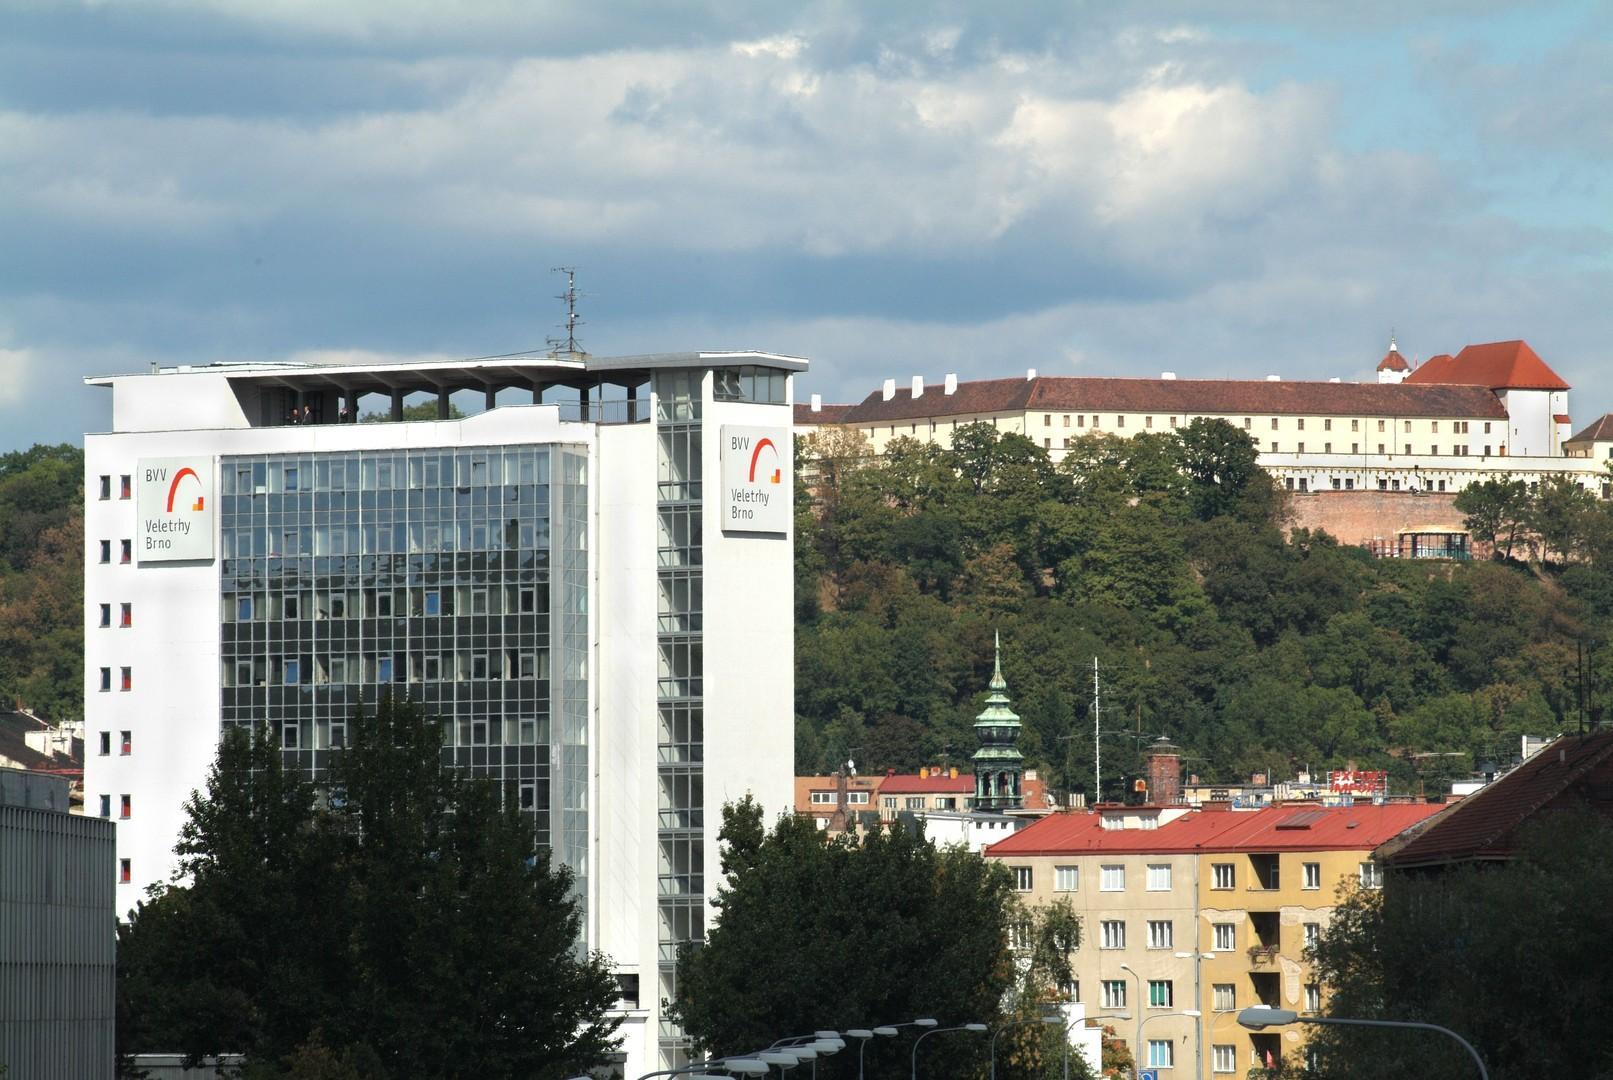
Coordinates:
(58, 943)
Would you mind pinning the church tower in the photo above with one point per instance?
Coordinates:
(999, 766)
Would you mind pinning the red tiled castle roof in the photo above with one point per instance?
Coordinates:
(1498, 365)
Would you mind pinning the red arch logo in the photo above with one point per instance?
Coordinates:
(756, 453)
(173, 488)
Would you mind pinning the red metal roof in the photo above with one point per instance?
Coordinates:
(928, 785)
(1561, 418)
(1290, 827)
(1498, 365)
(826, 414)
(1600, 430)
(1483, 825)
(1183, 397)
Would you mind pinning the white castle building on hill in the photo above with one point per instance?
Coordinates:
(1493, 410)
(600, 632)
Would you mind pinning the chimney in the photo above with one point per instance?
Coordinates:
(1030, 374)
(817, 402)
(951, 384)
(889, 389)
(918, 387)
(1274, 378)
(1164, 772)
(1168, 376)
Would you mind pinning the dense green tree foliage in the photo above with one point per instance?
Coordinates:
(812, 932)
(42, 580)
(1506, 955)
(395, 922)
(1166, 557)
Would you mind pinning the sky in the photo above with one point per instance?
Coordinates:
(1221, 188)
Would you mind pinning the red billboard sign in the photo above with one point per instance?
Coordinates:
(1358, 782)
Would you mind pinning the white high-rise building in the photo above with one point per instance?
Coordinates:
(589, 581)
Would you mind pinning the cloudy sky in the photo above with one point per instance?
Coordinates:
(1228, 188)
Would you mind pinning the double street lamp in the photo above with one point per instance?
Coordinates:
(1257, 1017)
(883, 1031)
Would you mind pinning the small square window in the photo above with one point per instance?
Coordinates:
(1113, 879)
(1159, 878)
(1161, 994)
(1066, 878)
(1161, 934)
(1113, 934)
(1023, 877)
(1226, 997)
(1222, 876)
(1226, 936)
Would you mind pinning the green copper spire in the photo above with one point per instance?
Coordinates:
(999, 766)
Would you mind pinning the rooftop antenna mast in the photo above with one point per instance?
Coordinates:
(570, 346)
(1097, 739)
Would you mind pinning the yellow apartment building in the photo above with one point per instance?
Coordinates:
(1189, 915)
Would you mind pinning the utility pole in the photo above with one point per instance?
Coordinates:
(1097, 739)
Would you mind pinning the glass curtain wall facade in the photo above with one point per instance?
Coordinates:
(679, 772)
(457, 578)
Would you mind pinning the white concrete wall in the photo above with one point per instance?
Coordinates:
(1530, 412)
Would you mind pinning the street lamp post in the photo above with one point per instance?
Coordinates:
(914, 1070)
(883, 1031)
(1193, 1013)
(1049, 1019)
(1257, 1017)
(1137, 1048)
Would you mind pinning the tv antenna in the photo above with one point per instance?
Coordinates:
(569, 346)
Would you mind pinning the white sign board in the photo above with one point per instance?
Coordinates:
(756, 479)
(174, 500)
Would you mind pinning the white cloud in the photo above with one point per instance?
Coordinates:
(20, 368)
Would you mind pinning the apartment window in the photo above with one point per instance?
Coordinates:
(1222, 876)
(1114, 933)
(106, 614)
(1066, 419)
(1408, 427)
(1173, 423)
(1226, 997)
(1161, 1053)
(1313, 998)
(888, 802)
(125, 678)
(293, 672)
(433, 602)
(1081, 420)
(1114, 879)
(1223, 1058)
(1274, 446)
(1120, 421)
(106, 679)
(1371, 875)
(1486, 430)
(1313, 934)
(1355, 448)
(1435, 428)
(1301, 448)
(1302, 423)
(1313, 875)
(1407, 450)
(1327, 448)
(1355, 425)
(243, 609)
(106, 806)
(106, 487)
(1019, 935)
(1066, 878)
(1248, 422)
(1349, 483)
(1159, 878)
(123, 806)
(1380, 448)
(125, 615)
(1148, 421)
(1380, 425)
(1047, 419)
(1434, 450)
(125, 551)
(915, 802)
(125, 872)
(1023, 878)
(1274, 423)
(383, 669)
(1226, 936)
(1327, 425)
(1161, 934)
(125, 486)
(106, 743)
(1114, 993)
(106, 551)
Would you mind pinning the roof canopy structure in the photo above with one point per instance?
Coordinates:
(1498, 365)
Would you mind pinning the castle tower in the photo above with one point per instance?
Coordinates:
(999, 766)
